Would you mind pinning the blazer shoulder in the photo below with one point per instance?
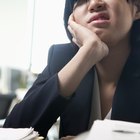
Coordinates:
(60, 54)
(66, 49)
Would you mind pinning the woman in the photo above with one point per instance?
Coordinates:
(96, 74)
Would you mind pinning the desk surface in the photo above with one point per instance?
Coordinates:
(105, 130)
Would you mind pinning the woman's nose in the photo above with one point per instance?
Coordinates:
(96, 5)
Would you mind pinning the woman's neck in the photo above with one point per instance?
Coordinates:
(109, 69)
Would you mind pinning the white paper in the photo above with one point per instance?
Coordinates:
(17, 134)
(114, 130)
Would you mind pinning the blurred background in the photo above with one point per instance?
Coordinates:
(27, 29)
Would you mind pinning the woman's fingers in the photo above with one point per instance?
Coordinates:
(71, 31)
(73, 26)
(88, 40)
(76, 42)
(80, 33)
(74, 39)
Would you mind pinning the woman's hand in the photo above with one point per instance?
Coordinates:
(88, 40)
(91, 51)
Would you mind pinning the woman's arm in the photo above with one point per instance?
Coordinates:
(91, 51)
(42, 104)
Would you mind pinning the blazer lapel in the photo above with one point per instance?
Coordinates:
(126, 100)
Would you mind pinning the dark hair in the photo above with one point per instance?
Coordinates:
(69, 4)
(135, 30)
(135, 33)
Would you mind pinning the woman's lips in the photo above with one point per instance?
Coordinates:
(99, 17)
(99, 20)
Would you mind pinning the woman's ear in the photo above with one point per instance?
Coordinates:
(137, 14)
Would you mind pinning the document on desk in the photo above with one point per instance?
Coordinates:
(18, 134)
(114, 130)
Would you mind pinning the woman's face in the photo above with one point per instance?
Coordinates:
(111, 20)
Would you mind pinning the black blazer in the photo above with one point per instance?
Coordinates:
(43, 103)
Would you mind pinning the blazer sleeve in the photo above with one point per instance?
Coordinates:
(42, 104)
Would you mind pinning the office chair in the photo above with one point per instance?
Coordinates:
(5, 104)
